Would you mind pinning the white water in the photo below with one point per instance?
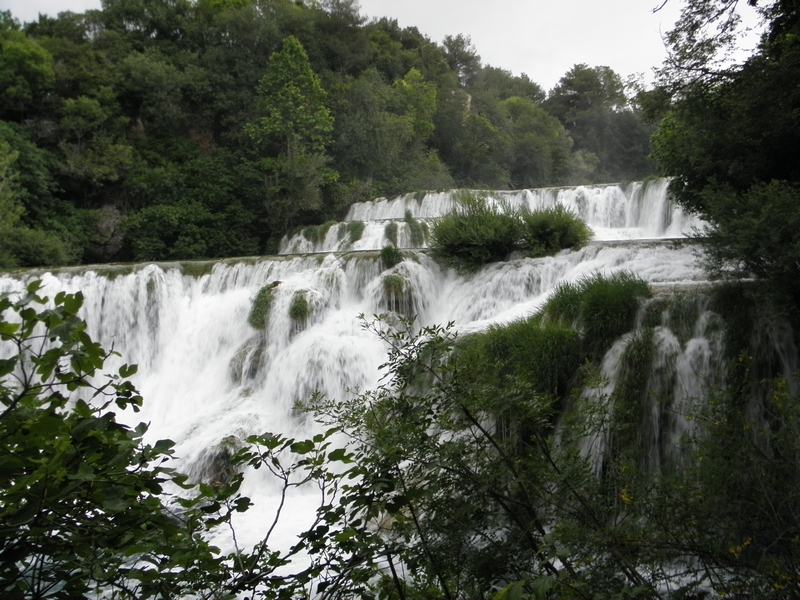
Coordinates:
(634, 211)
(196, 353)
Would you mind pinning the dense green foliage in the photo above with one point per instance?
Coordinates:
(417, 230)
(391, 256)
(475, 233)
(552, 229)
(200, 129)
(353, 230)
(299, 308)
(726, 138)
(479, 231)
(603, 308)
(260, 307)
(502, 465)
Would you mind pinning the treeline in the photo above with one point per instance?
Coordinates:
(177, 129)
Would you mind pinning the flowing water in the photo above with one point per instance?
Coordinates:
(209, 379)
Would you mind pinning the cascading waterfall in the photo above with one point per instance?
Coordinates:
(631, 212)
(209, 379)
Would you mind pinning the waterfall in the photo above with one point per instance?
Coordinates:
(210, 379)
(634, 211)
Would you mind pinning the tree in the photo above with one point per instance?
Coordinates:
(26, 70)
(80, 495)
(724, 141)
(591, 104)
(462, 57)
(10, 207)
(292, 136)
(540, 145)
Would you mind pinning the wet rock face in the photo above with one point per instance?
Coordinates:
(214, 467)
(108, 237)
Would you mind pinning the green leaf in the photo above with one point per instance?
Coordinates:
(126, 371)
(303, 447)
(8, 330)
(340, 455)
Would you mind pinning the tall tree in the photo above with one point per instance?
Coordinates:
(26, 70)
(726, 142)
(291, 136)
(591, 103)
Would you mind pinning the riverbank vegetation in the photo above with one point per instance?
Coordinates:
(186, 130)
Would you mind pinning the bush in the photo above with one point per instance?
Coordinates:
(390, 256)
(390, 232)
(475, 234)
(540, 356)
(23, 247)
(393, 285)
(299, 309)
(354, 230)
(316, 233)
(261, 305)
(418, 231)
(603, 307)
(552, 229)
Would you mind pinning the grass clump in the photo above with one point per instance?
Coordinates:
(549, 230)
(354, 230)
(390, 232)
(395, 293)
(539, 356)
(633, 428)
(196, 268)
(417, 230)
(393, 285)
(261, 305)
(602, 307)
(390, 256)
(299, 309)
(316, 233)
(474, 234)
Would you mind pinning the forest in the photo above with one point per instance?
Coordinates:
(164, 130)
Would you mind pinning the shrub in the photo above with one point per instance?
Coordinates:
(23, 247)
(261, 305)
(603, 307)
(632, 425)
(299, 309)
(552, 229)
(565, 303)
(418, 231)
(316, 233)
(609, 307)
(475, 234)
(393, 285)
(540, 356)
(396, 294)
(354, 230)
(390, 232)
(390, 256)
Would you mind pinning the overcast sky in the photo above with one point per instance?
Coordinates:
(542, 38)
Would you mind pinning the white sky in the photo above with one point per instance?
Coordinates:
(542, 38)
